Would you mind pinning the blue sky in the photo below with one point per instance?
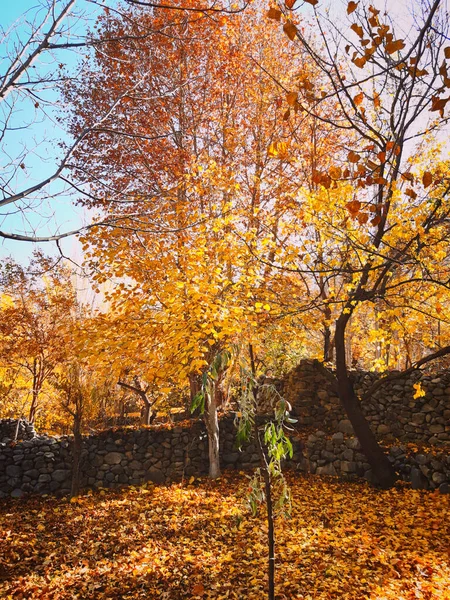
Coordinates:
(36, 143)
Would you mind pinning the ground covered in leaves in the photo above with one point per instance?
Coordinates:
(198, 540)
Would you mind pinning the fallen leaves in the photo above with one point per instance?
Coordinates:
(343, 540)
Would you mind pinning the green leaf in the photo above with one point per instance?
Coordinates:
(198, 402)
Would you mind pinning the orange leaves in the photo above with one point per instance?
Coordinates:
(290, 30)
(179, 541)
(198, 589)
(358, 99)
(351, 7)
(394, 46)
(427, 179)
(357, 29)
(353, 207)
(289, 3)
(411, 193)
(353, 157)
(292, 98)
(438, 104)
(359, 61)
(274, 13)
(312, 2)
(447, 52)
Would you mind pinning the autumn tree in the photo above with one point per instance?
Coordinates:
(187, 173)
(36, 313)
(385, 212)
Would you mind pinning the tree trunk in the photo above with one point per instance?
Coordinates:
(270, 519)
(76, 456)
(212, 427)
(382, 469)
(148, 415)
(35, 393)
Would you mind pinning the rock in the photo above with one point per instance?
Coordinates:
(326, 470)
(13, 471)
(155, 475)
(436, 428)
(444, 488)
(348, 466)
(61, 475)
(345, 426)
(348, 454)
(383, 429)
(338, 437)
(439, 478)
(135, 465)
(44, 478)
(353, 444)
(113, 458)
(421, 459)
(418, 419)
(418, 480)
(17, 493)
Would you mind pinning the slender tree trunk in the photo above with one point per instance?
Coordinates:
(76, 456)
(267, 487)
(16, 431)
(270, 520)
(382, 469)
(212, 427)
(35, 392)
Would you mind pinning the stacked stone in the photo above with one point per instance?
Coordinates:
(392, 410)
(39, 466)
(395, 413)
(341, 455)
(8, 428)
(114, 458)
(314, 402)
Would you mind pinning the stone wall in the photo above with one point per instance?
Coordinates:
(8, 428)
(42, 464)
(121, 457)
(392, 411)
(130, 457)
(341, 455)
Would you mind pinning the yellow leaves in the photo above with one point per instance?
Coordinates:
(420, 392)
(278, 149)
(132, 541)
(290, 30)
